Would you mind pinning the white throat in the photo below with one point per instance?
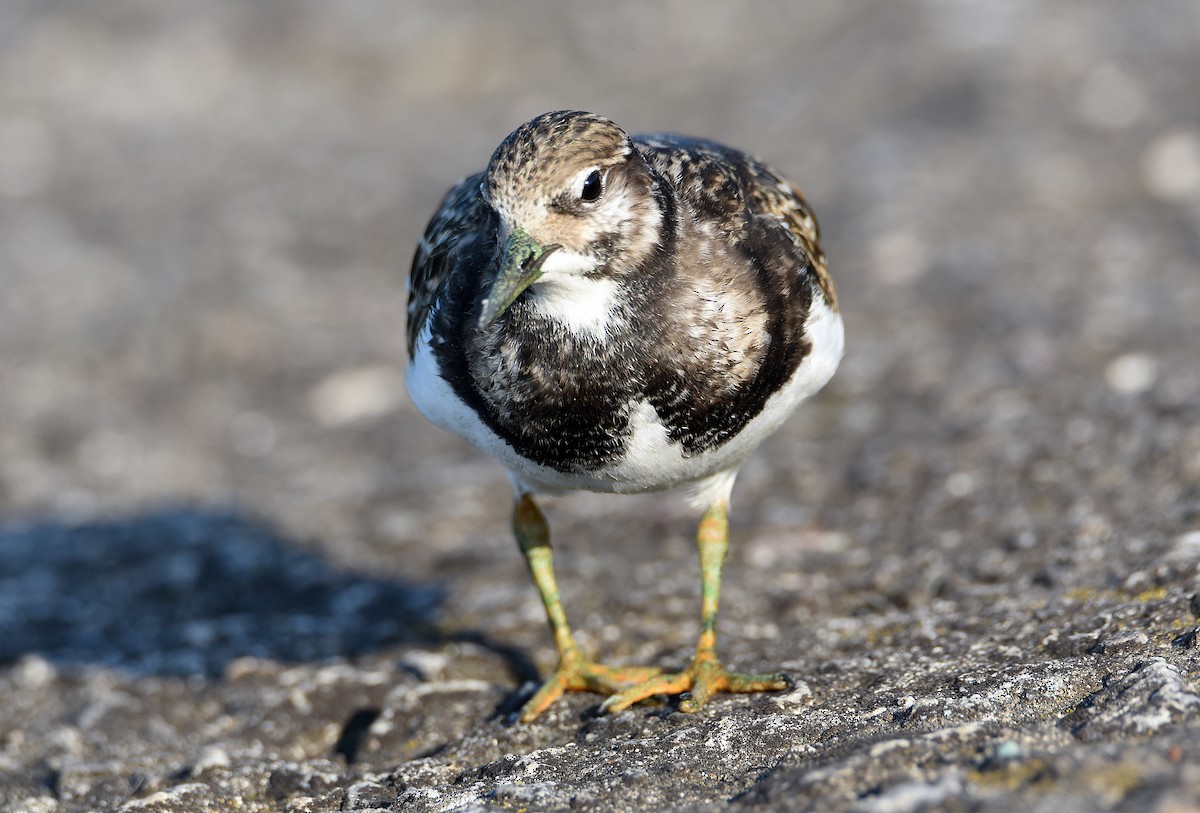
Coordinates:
(583, 305)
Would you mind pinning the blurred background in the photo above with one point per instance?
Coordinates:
(207, 214)
(227, 538)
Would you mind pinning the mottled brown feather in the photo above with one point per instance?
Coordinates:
(778, 197)
(721, 183)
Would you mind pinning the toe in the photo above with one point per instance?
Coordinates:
(625, 677)
(550, 691)
(662, 684)
(744, 684)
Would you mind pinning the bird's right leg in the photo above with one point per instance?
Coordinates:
(574, 673)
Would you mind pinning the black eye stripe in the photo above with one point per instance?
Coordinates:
(593, 185)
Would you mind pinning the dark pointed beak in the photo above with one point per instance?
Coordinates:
(520, 267)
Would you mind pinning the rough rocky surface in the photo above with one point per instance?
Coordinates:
(239, 572)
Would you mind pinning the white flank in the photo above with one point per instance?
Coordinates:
(437, 402)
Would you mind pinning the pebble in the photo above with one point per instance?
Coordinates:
(213, 756)
(960, 484)
(1171, 167)
(1008, 750)
(34, 672)
(800, 696)
(1131, 373)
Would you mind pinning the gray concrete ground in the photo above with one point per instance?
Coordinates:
(238, 571)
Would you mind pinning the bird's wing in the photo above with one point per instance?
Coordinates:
(777, 197)
(462, 213)
(724, 184)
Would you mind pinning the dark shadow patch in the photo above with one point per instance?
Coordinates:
(354, 732)
(518, 663)
(185, 591)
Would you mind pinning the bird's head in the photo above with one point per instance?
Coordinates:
(574, 199)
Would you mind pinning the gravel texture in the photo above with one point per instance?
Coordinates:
(239, 572)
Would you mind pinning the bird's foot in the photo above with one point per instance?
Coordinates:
(576, 673)
(696, 685)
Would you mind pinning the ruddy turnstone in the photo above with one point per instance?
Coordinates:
(621, 314)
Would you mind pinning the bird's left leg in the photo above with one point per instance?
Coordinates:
(705, 676)
(574, 671)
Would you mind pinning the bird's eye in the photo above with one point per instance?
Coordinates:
(592, 187)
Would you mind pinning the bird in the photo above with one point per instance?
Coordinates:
(621, 314)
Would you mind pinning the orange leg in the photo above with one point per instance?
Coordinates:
(705, 676)
(574, 672)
